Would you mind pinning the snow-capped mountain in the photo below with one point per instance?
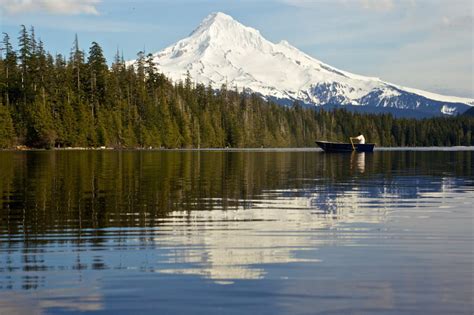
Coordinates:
(223, 51)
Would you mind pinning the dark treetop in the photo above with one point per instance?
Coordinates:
(57, 101)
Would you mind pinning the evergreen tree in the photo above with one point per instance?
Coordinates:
(77, 62)
(9, 83)
(98, 72)
(48, 101)
(7, 133)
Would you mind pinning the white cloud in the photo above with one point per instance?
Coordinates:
(58, 7)
(441, 62)
(378, 5)
(426, 44)
(85, 24)
(459, 22)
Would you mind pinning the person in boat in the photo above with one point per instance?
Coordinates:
(360, 138)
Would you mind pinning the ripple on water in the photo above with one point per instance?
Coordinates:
(295, 231)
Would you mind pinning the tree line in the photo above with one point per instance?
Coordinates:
(79, 100)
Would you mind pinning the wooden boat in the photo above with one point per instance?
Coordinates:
(345, 147)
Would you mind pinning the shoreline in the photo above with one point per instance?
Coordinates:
(273, 149)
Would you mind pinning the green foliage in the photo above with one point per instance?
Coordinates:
(47, 102)
(7, 133)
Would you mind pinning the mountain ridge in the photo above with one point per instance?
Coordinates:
(223, 51)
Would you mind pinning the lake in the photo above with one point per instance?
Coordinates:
(237, 232)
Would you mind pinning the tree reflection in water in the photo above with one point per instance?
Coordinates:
(221, 215)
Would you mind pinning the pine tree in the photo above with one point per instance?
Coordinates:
(47, 101)
(76, 60)
(9, 83)
(98, 72)
(7, 133)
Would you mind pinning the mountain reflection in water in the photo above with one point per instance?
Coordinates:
(69, 218)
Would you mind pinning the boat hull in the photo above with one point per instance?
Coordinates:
(345, 147)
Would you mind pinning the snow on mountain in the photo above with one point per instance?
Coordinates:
(223, 51)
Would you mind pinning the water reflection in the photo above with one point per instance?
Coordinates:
(232, 245)
(358, 161)
(81, 299)
(223, 216)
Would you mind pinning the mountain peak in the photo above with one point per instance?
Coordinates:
(217, 20)
(221, 50)
(221, 25)
(215, 16)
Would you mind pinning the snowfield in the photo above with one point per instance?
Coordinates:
(223, 51)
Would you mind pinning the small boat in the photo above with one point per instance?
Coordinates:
(345, 147)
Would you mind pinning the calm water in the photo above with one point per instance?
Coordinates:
(236, 232)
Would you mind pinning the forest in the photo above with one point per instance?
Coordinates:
(79, 100)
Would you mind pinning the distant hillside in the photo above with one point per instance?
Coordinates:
(469, 112)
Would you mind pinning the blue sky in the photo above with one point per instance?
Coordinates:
(426, 44)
